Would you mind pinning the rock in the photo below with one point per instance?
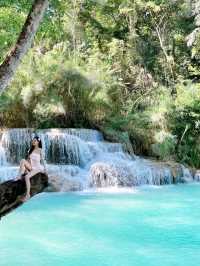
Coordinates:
(119, 137)
(107, 174)
(64, 184)
(180, 173)
(192, 171)
(197, 175)
(138, 172)
(12, 191)
(176, 171)
(71, 185)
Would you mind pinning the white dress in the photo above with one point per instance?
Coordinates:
(36, 166)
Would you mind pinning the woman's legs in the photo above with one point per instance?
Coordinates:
(28, 187)
(24, 165)
(28, 183)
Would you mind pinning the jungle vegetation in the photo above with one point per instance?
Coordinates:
(130, 68)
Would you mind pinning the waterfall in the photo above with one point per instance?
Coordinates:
(131, 173)
(81, 158)
(3, 159)
(16, 143)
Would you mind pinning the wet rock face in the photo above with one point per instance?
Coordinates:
(58, 183)
(105, 175)
(11, 192)
(197, 176)
(140, 172)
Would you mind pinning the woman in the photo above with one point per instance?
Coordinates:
(32, 165)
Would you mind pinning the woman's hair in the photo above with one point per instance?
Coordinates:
(32, 147)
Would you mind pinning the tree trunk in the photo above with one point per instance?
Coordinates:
(12, 60)
(11, 192)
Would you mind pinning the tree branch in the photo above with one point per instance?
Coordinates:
(12, 60)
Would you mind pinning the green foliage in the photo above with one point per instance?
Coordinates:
(54, 91)
(122, 66)
(165, 148)
(184, 121)
(11, 21)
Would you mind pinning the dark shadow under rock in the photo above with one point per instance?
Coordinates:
(11, 192)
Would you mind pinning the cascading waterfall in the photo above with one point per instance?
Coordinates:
(16, 143)
(3, 159)
(80, 158)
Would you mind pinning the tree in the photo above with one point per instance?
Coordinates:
(12, 60)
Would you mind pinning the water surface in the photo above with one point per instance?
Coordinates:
(154, 226)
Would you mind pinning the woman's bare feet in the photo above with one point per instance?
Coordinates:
(26, 198)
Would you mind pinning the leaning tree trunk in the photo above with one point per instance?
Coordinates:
(11, 62)
(12, 192)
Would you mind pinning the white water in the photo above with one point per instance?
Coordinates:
(83, 159)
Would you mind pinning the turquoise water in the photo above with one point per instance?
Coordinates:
(151, 227)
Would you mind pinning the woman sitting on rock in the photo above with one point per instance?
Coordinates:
(32, 165)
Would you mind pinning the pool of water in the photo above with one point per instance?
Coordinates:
(150, 227)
